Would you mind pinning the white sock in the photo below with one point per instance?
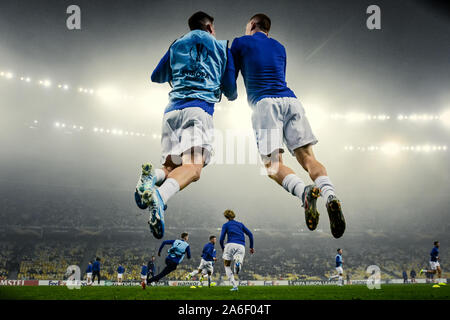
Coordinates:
(193, 273)
(160, 176)
(230, 276)
(293, 185)
(326, 186)
(334, 277)
(168, 189)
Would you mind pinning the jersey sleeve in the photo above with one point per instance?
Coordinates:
(222, 235)
(164, 243)
(235, 51)
(188, 252)
(229, 87)
(249, 234)
(163, 72)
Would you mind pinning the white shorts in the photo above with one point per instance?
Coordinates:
(234, 251)
(119, 275)
(89, 274)
(185, 129)
(434, 265)
(143, 276)
(339, 270)
(278, 120)
(206, 266)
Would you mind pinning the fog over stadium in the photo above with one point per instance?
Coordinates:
(378, 101)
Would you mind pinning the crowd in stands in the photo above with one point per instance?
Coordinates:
(277, 257)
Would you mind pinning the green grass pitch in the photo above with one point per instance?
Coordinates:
(353, 292)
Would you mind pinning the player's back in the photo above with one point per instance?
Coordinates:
(262, 61)
(235, 232)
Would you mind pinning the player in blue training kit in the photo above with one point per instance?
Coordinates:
(89, 273)
(279, 117)
(234, 250)
(179, 248)
(199, 69)
(120, 272)
(339, 269)
(144, 272)
(206, 266)
(435, 267)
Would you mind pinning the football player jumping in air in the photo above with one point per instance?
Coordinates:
(199, 68)
(278, 116)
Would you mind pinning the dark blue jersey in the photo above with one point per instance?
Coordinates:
(209, 253)
(120, 269)
(89, 268)
(144, 270)
(339, 260)
(96, 266)
(236, 232)
(434, 254)
(262, 62)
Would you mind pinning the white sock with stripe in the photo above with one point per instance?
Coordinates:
(294, 185)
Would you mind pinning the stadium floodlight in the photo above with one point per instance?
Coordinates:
(390, 148)
(81, 128)
(80, 89)
(109, 94)
(65, 87)
(101, 130)
(63, 125)
(95, 129)
(445, 118)
(27, 79)
(74, 127)
(9, 75)
(57, 124)
(45, 83)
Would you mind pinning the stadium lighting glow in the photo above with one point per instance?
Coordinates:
(109, 94)
(57, 124)
(45, 83)
(445, 117)
(9, 75)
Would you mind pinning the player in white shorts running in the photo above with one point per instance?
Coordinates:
(279, 117)
(234, 250)
(435, 267)
(206, 267)
(339, 269)
(120, 271)
(199, 68)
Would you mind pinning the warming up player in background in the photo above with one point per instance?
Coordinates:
(89, 273)
(339, 269)
(435, 267)
(144, 272)
(120, 271)
(151, 268)
(278, 116)
(176, 254)
(199, 68)
(206, 266)
(234, 250)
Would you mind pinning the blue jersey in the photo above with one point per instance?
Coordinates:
(262, 62)
(199, 69)
(89, 268)
(96, 266)
(120, 269)
(177, 251)
(434, 254)
(144, 270)
(236, 232)
(338, 260)
(209, 253)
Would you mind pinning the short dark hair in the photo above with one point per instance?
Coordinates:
(212, 237)
(262, 21)
(338, 249)
(184, 235)
(436, 242)
(199, 21)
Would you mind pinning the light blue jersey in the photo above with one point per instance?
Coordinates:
(177, 251)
